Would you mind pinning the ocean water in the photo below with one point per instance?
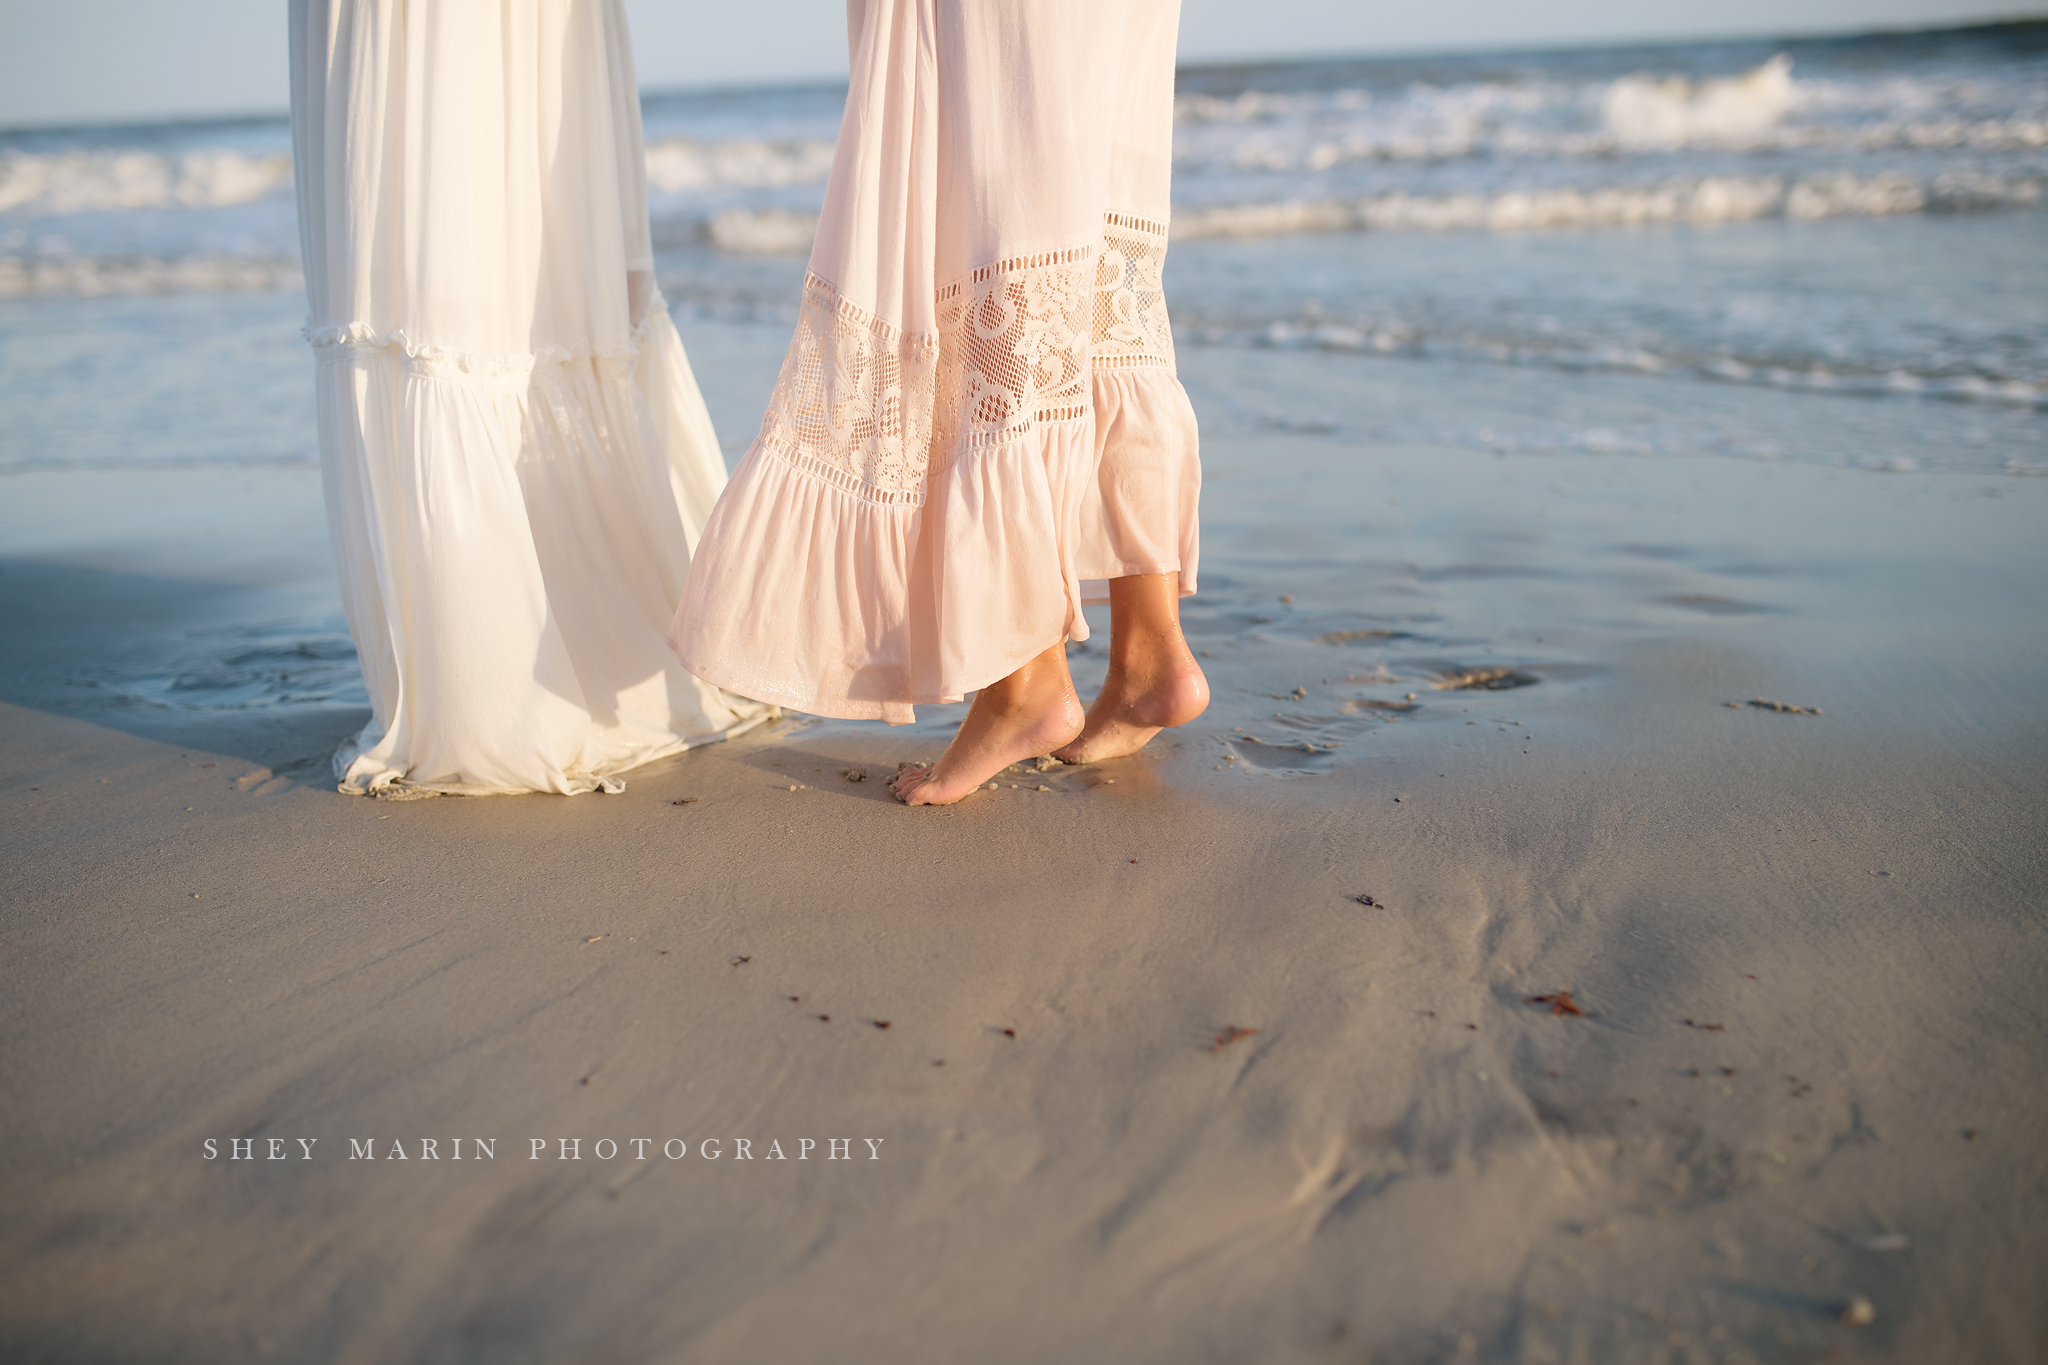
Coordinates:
(1824, 252)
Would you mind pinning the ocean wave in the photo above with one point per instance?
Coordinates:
(97, 180)
(112, 179)
(94, 276)
(1763, 110)
(1393, 337)
(762, 232)
(681, 164)
(1703, 200)
(1646, 111)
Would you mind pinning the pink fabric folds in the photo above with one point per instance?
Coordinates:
(978, 410)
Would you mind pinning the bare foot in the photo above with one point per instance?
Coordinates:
(1154, 682)
(1031, 712)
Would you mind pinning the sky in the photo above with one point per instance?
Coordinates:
(105, 61)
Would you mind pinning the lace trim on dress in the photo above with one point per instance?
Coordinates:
(875, 410)
(1131, 328)
(1013, 350)
(854, 400)
(339, 343)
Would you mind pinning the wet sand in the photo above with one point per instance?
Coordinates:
(1231, 1051)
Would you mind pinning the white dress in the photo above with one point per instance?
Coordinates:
(978, 418)
(517, 459)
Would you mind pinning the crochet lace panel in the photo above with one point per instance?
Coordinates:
(1131, 330)
(876, 410)
(853, 404)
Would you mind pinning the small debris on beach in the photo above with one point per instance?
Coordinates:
(1706, 1028)
(686, 801)
(1858, 1312)
(1367, 900)
(879, 1023)
(739, 961)
(1560, 1003)
(1484, 679)
(1042, 787)
(854, 774)
(1345, 637)
(795, 999)
(1009, 1033)
(1374, 704)
(1230, 1034)
(1760, 704)
(824, 1018)
(595, 937)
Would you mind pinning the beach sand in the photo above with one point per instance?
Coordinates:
(1221, 1053)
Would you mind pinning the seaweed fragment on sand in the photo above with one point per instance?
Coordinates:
(1780, 707)
(1231, 1033)
(1560, 1002)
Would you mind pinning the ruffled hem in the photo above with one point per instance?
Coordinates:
(1139, 514)
(810, 596)
(511, 551)
(360, 772)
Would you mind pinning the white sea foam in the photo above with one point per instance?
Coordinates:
(681, 164)
(98, 180)
(762, 232)
(1707, 200)
(1763, 110)
(89, 180)
(1645, 111)
(94, 276)
(1393, 336)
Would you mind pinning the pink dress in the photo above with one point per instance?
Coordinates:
(978, 416)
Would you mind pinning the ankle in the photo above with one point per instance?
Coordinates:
(1148, 660)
